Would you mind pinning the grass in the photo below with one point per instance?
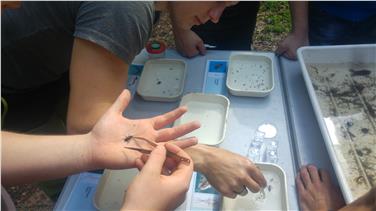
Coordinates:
(273, 24)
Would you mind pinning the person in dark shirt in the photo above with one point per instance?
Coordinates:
(233, 31)
(82, 50)
(329, 23)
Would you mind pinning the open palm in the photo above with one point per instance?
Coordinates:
(107, 137)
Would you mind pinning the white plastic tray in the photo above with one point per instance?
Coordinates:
(211, 111)
(162, 80)
(341, 82)
(273, 197)
(250, 74)
(112, 188)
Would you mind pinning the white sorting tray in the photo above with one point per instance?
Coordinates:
(211, 110)
(341, 82)
(112, 188)
(162, 80)
(273, 197)
(250, 74)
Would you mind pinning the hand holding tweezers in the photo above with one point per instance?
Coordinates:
(153, 144)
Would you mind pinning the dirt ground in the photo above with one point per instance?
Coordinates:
(30, 197)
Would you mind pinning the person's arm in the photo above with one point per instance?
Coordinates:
(188, 43)
(10, 4)
(227, 172)
(299, 35)
(97, 77)
(367, 202)
(151, 190)
(31, 158)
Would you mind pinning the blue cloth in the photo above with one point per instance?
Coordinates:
(348, 10)
(342, 23)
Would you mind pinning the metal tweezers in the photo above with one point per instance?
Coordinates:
(153, 144)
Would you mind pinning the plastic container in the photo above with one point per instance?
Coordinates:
(211, 111)
(162, 80)
(273, 197)
(112, 188)
(341, 84)
(156, 49)
(250, 74)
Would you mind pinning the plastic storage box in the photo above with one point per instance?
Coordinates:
(272, 197)
(250, 74)
(341, 82)
(162, 80)
(211, 110)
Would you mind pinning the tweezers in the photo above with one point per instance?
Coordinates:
(147, 151)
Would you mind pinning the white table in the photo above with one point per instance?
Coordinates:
(288, 108)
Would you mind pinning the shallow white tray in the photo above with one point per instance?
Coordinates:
(112, 188)
(274, 196)
(211, 111)
(341, 84)
(250, 74)
(162, 80)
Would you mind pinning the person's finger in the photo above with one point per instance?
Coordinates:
(201, 47)
(168, 166)
(171, 164)
(122, 102)
(313, 173)
(154, 164)
(293, 55)
(192, 53)
(163, 120)
(178, 131)
(139, 164)
(281, 50)
(186, 142)
(183, 171)
(144, 158)
(252, 185)
(299, 183)
(216, 12)
(231, 194)
(305, 176)
(324, 175)
(257, 175)
(289, 55)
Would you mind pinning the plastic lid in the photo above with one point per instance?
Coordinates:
(155, 47)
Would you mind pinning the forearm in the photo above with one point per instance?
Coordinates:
(97, 77)
(364, 203)
(198, 154)
(299, 16)
(29, 158)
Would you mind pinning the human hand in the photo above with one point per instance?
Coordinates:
(152, 191)
(106, 140)
(316, 190)
(188, 43)
(227, 172)
(290, 44)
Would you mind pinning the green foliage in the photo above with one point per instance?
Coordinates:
(273, 25)
(277, 16)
